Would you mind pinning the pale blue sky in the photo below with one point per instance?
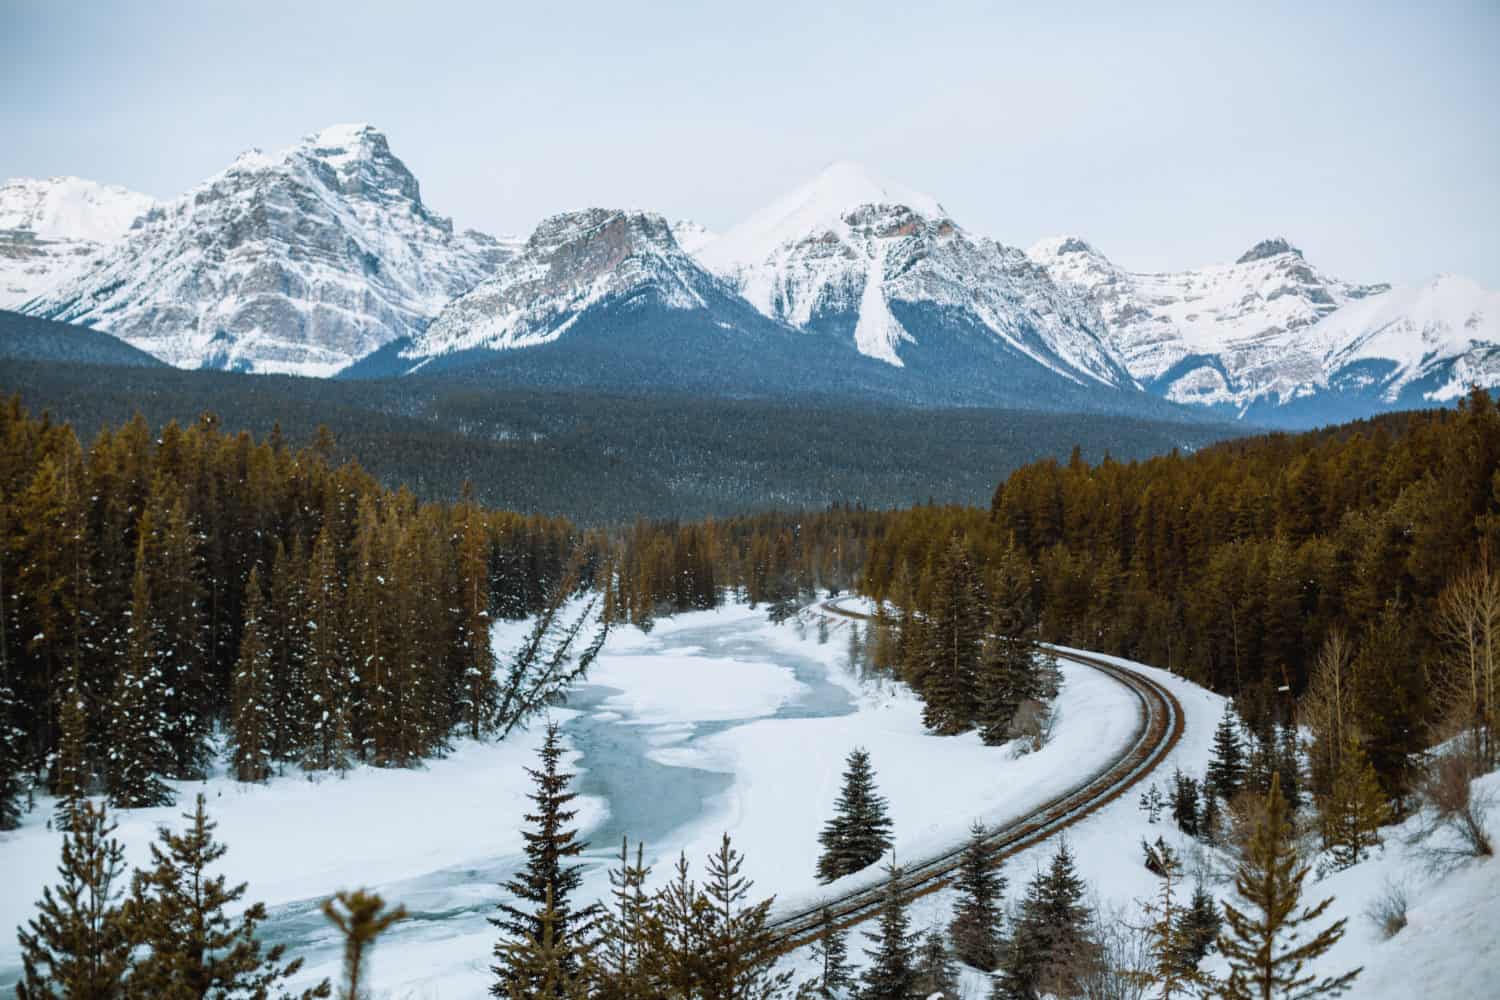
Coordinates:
(1169, 136)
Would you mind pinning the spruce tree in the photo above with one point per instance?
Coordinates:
(1049, 948)
(1185, 803)
(976, 915)
(934, 971)
(736, 950)
(550, 843)
(326, 713)
(178, 631)
(138, 750)
(1267, 945)
(624, 931)
(253, 719)
(1010, 673)
(360, 917)
(546, 967)
(859, 833)
(1226, 771)
(71, 784)
(286, 613)
(1355, 809)
(1200, 924)
(1210, 818)
(1164, 928)
(79, 943)
(481, 692)
(954, 636)
(831, 953)
(12, 757)
(178, 910)
(891, 973)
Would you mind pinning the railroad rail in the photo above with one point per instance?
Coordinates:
(1161, 724)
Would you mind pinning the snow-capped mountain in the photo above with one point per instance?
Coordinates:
(574, 262)
(52, 230)
(302, 261)
(1273, 338)
(889, 269)
(1220, 335)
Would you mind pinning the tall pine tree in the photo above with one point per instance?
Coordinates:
(79, 944)
(1270, 942)
(547, 880)
(976, 915)
(253, 695)
(138, 750)
(891, 972)
(859, 833)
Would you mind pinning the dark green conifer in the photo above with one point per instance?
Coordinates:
(138, 750)
(253, 696)
(550, 843)
(976, 915)
(178, 909)
(79, 943)
(891, 974)
(934, 971)
(859, 833)
(954, 637)
(1226, 771)
(831, 953)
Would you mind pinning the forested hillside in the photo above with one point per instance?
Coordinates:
(609, 457)
(157, 589)
(1267, 568)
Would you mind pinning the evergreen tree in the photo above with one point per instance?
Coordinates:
(1268, 947)
(976, 915)
(1010, 674)
(736, 949)
(481, 693)
(71, 785)
(360, 917)
(138, 752)
(1185, 803)
(1226, 771)
(831, 952)
(286, 613)
(177, 631)
(547, 967)
(253, 697)
(12, 756)
(177, 908)
(1289, 765)
(1353, 812)
(859, 833)
(621, 969)
(1210, 818)
(954, 636)
(934, 972)
(328, 738)
(1199, 924)
(1049, 948)
(547, 881)
(1169, 973)
(79, 943)
(891, 974)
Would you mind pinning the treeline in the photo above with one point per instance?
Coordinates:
(157, 589)
(1235, 565)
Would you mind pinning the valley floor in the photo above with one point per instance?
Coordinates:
(719, 721)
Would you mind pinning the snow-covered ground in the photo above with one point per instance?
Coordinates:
(719, 721)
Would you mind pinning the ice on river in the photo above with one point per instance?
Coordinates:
(714, 721)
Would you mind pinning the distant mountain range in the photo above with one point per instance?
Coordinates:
(323, 260)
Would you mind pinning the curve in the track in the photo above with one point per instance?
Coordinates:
(1161, 724)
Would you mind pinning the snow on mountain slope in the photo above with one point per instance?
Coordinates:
(1271, 330)
(301, 261)
(571, 263)
(1215, 335)
(859, 256)
(1444, 334)
(52, 230)
(691, 236)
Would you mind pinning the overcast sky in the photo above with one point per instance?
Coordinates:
(1168, 136)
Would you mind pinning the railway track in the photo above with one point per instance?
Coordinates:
(1161, 723)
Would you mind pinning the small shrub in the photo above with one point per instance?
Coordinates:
(1388, 910)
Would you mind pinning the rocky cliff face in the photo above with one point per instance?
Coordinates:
(55, 229)
(300, 262)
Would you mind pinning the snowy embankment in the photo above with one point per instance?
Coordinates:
(768, 712)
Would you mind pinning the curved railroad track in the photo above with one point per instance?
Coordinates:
(1161, 722)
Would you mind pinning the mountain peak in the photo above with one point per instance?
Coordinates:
(819, 206)
(1273, 247)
